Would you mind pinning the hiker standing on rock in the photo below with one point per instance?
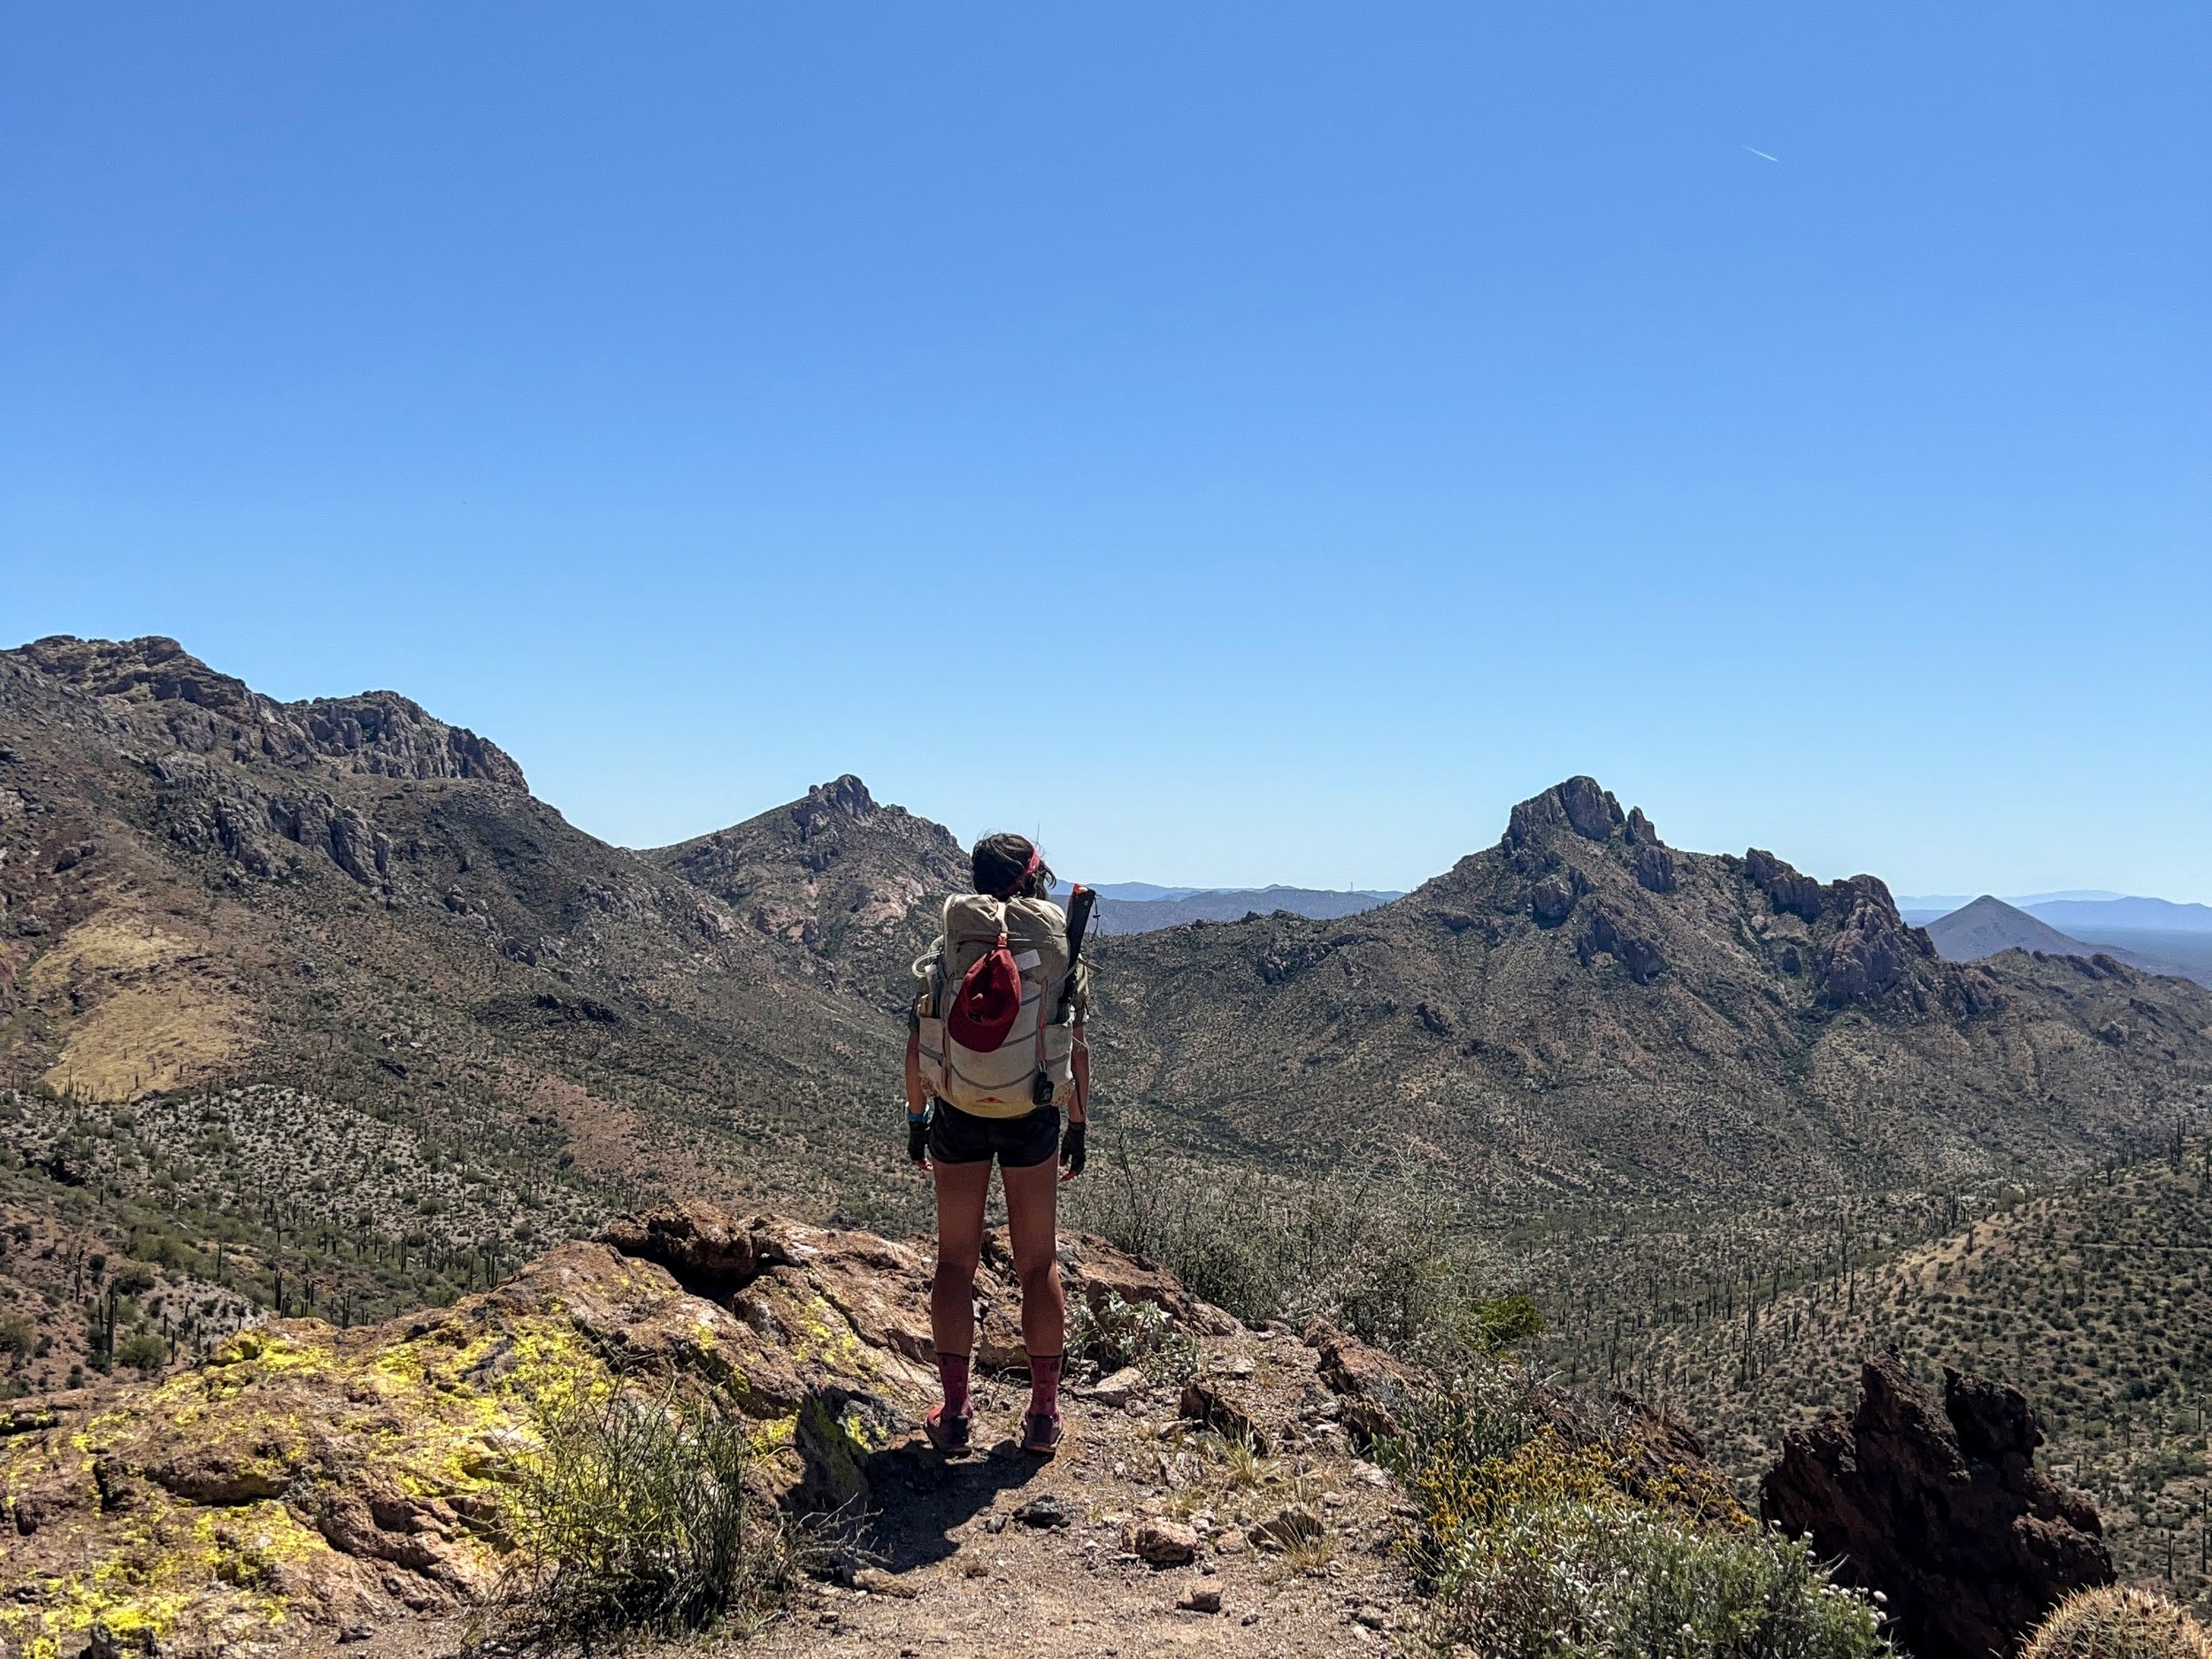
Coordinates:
(993, 1046)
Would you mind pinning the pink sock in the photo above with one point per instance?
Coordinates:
(952, 1371)
(1044, 1384)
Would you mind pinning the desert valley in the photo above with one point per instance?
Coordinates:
(318, 1023)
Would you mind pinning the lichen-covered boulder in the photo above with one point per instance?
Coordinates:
(311, 1479)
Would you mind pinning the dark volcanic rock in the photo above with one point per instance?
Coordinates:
(1971, 1543)
(1790, 893)
(1580, 804)
(1642, 960)
(1551, 900)
(1640, 956)
(1640, 833)
(1654, 868)
(1873, 952)
(1591, 812)
(706, 1248)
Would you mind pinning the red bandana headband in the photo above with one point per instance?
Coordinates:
(1036, 862)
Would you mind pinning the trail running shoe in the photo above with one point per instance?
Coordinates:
(948, 1433)
(1040, 1432)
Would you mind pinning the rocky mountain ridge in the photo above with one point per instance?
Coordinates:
(1582, 1009)
(348, 909)
(202, 879)
(848, 888)
(158, 689)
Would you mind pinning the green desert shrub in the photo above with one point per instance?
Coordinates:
(1373, 1251)
(2116, 1622)
(143, 1351)
(1530, 1546)
(634, 1514)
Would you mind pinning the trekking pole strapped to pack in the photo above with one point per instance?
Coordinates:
(1081, 900)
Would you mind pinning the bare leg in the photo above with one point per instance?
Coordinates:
(963, 1190)
(1032, 1215)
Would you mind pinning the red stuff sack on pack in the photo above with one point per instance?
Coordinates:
(989, 1001)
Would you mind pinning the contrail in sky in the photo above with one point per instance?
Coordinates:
(1762, 154)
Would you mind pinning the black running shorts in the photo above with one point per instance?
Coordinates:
(1019, 1143)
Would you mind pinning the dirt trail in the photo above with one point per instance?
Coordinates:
(964, 1572)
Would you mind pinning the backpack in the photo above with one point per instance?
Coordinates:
(997, 1001)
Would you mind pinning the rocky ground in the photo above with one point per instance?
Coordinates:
(1134, 1540)
(310, 1487)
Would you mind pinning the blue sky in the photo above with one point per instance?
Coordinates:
(1242, 442)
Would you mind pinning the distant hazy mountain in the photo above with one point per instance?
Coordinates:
(1138, 907)
(1921, 908)
(1988, 926)
(2156, 934)
(2080, 916)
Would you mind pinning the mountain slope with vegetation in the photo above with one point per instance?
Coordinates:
(1584, 1013)
(2093, 1298)
(849, 890)
(319, 992)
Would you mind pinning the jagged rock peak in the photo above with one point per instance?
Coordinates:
(1580, 804)
(383, 731)
(153, 668)
(846, 794)
(1789, 892)
(172, 694)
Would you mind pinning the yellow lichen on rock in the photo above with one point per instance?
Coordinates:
(309, 1480)
(219, 1497)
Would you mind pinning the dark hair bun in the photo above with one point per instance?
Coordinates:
(1007, 867)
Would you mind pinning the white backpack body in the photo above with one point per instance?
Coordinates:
(1003, 1081)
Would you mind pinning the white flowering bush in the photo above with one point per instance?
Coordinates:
(1533, 1548)
(1607, 1578)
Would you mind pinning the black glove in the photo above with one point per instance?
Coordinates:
(918, 1138)
(1071, 1149)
